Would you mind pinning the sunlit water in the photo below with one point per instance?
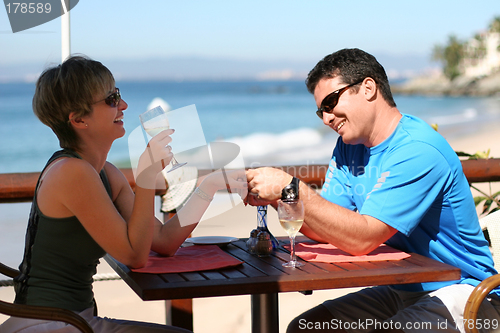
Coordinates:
(272, 122)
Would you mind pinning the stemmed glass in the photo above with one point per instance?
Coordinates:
(154, 121)
(291, 216)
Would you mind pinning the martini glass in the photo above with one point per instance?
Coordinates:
(154, 121)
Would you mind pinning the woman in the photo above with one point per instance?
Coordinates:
(84, 207)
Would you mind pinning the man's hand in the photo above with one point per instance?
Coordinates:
(265, 185)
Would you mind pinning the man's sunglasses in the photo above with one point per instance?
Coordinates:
(332, 99)
(112, 100)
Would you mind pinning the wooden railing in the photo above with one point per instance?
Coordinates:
(20, 187)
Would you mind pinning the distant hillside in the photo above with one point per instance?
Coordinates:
(440, 85)
(398, 67)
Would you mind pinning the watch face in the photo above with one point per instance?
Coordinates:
(289, 193)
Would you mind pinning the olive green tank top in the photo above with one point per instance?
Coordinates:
(60, 258)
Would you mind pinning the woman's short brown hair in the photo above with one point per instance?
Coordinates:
(69, 87)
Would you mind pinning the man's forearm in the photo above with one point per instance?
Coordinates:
(306, 231)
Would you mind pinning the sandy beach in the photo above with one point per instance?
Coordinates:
(228, 314)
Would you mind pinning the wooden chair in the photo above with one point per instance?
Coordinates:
(41, 312)
(490, 222)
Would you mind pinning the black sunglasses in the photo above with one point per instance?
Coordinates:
(112, 100)
(331, 100)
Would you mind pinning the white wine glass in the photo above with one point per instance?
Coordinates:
(154, 121)
(291, 216)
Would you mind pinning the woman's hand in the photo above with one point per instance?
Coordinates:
(154, 159)
(234, 181)
(255, 200)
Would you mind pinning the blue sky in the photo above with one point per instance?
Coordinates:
(271, 30)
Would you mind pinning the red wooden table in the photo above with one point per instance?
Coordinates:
(264, 278)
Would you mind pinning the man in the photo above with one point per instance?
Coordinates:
(394, 180)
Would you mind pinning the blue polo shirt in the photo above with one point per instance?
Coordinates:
(413, 182)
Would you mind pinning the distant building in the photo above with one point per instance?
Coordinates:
(482, 55)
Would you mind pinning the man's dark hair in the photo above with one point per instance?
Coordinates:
(351, 65)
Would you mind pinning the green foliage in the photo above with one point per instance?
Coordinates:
(476, 156)
(495, 24)
(490, 202)
(476, 50)
(450, 55)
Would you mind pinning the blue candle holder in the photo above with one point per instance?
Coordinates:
(262, 224)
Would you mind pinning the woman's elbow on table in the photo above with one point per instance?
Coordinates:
(137, 264)
(133, 260)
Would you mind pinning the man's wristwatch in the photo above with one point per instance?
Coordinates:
(291, 191)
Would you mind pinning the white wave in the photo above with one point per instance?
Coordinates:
(261, 144)
(299, 146)
(455, 118)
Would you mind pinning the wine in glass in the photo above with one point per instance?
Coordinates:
(154, 121)
(291, 216)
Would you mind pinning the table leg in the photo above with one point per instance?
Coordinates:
(265, 313)
(179, 312)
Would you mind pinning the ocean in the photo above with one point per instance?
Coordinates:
(273, 123)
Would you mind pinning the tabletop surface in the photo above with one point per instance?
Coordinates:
(266, 275)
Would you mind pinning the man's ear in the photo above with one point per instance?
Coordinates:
(370, 88)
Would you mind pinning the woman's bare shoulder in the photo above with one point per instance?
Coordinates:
(64, 181)
(69, 167)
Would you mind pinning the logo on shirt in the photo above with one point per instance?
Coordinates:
(379, 184)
